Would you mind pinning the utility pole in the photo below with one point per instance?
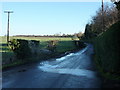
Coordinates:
(8, 12)
(102, 6)
(102, 16)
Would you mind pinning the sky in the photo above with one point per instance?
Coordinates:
(47, 18)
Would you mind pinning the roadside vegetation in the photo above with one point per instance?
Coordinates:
(107, 52)
(102, 31)
(22, 50)
(105, 38)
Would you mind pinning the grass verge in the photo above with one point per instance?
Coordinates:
(64, 45)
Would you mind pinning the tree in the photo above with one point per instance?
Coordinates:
(79, 35)
(74, 37)
(117, 3)
(101, 21)
(88, 31)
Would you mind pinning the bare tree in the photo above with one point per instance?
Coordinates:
(96, 27)
(110, 17)
(117, 3)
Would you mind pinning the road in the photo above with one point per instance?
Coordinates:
(75, 70)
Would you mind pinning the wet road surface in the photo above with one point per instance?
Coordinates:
(75, 70)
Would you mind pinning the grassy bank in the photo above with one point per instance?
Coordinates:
(63, 45)
(107, 53)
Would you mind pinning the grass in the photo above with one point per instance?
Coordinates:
(43, 41)
(64, 45)
(107, 52)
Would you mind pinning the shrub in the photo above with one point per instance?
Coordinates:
(20, 48)
(34, 46)
(13, 44)
(36, 43)
(52, 45)
(74, 38)
(79, 44)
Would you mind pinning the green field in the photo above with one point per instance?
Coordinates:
(43, 41)
(63, 45)
(3, 38)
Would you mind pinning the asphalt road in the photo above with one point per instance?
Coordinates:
(75, 70)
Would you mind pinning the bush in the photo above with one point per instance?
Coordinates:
(107, 50)
(75, 37)
(36, 43)
(79, 44)
(34, 46)
(13, 44)
(52, 45)
(20, 48)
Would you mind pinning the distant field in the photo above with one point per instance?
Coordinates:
(3, 38)
(43, 38)
(43, 41)
(63, 45)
